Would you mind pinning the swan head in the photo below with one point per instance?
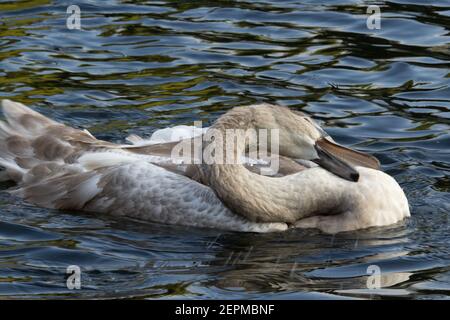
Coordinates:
(300, 137)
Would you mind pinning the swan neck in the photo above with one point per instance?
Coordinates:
(263, 198)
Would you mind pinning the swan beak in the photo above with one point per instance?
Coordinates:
(341, 160)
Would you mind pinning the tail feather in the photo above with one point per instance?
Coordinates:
(24, 120)
(29, 139)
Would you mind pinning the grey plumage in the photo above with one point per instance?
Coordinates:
(56, 166)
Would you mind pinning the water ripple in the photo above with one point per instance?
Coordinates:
(137, 66)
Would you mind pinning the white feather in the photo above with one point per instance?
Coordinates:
(171, 134)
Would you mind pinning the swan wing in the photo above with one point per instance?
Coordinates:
(128, 186)
(59, 167)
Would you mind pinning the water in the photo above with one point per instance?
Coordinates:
(138, 66)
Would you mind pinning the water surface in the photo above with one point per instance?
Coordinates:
(137, 66)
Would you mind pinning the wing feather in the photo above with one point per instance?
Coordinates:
(59, 167)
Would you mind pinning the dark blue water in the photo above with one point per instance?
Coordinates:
(137, 66)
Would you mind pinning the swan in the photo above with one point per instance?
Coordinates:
(320, 184)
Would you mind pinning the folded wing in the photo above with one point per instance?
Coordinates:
(56, 166)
